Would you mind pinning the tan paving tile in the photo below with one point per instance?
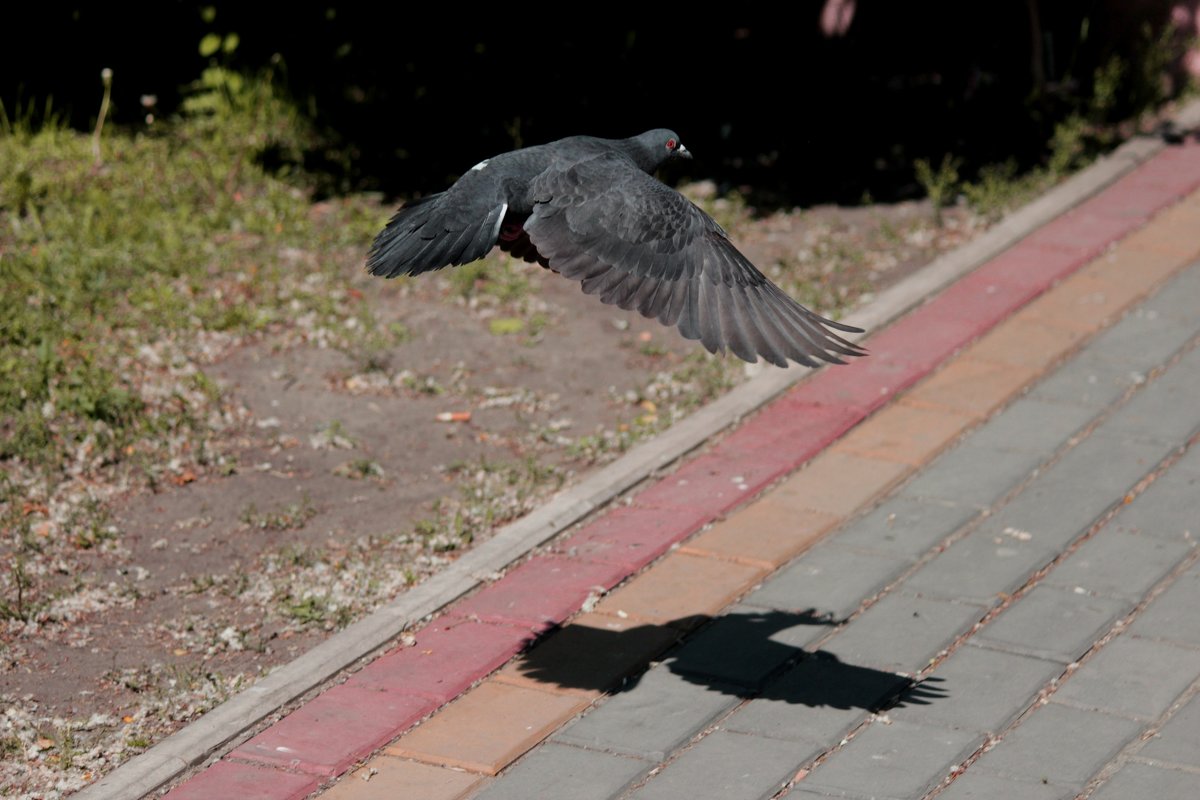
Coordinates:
(1178, 230)
(769, 532)
(973, 386)
(1171, 233)
(1080, 304)
(488, 727)
(1024, 341)
(589, 656)
(905, 433)
(838, 483)
(1137, 270)
(389, 778)
(680, 587)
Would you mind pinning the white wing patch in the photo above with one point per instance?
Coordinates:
(480, 165)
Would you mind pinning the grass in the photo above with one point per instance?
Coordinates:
(174, 234)
(292, 516)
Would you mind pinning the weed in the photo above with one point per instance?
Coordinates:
(940, 185)
(290, 517)
(358, 469)
(87, 527)
(18, 608)
(426, 384)
(309, 610)
(332, 435)
(999, 188)
(652, 349)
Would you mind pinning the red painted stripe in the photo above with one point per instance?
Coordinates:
(330, 732)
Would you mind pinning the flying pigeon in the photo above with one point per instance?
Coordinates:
(591, 210)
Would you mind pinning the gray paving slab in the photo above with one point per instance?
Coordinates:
(897, 760)
(974, 785)
(1167, 408)
(1088, 380)
(1137, 781)
(1053, 623)
(901, 633)
(818, 700)
(663, 711)
(906, 526)
(1168, 507)
(743, 646)
(1189, 462)
(1058, 744)
(555, 770)
(987, 689)
(991, 562)
(1147, 335)
(1178, 299)
(1118, 563)
(1174, 614)
(732, 766)
(1033, 425)
(1089, 480)
(1133, 677)
(828, 579)
(1179, 740)
(975, 475)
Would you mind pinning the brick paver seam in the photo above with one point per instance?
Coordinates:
(1116, 629)
(1130, 753)
(1054, 684)
(974, 522)
(925, 672)
(1035, 579)
(1101, 521)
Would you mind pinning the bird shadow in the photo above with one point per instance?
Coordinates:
(743, 653)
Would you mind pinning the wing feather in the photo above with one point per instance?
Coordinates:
(638, 244)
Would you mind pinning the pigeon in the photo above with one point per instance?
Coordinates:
(591, 210)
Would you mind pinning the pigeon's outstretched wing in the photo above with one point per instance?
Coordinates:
(639, 244)
(454, 227)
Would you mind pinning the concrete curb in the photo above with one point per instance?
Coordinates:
(235, 718)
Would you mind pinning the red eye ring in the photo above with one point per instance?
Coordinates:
(671, 144)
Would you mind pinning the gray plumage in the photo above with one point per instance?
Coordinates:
(591, 210)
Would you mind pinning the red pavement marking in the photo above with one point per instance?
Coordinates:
(230, 779)
(1083, 232)
(329, 733)
(541, 592)
(341, 725)
(632, 536)
(449, 655)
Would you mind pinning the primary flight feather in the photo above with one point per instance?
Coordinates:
(591, 210)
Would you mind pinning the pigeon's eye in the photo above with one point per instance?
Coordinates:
(671, 144)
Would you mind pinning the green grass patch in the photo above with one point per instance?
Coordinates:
(172, 232)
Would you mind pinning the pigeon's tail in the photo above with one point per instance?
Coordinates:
(423, 236)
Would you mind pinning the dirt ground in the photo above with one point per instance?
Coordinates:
(340, 486)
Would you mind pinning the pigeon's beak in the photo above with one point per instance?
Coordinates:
(682, 152)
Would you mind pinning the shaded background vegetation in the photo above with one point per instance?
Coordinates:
(774, 103)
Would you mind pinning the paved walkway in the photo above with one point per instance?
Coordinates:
(969, 570)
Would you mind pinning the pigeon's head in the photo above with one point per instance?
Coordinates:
(655, 147)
